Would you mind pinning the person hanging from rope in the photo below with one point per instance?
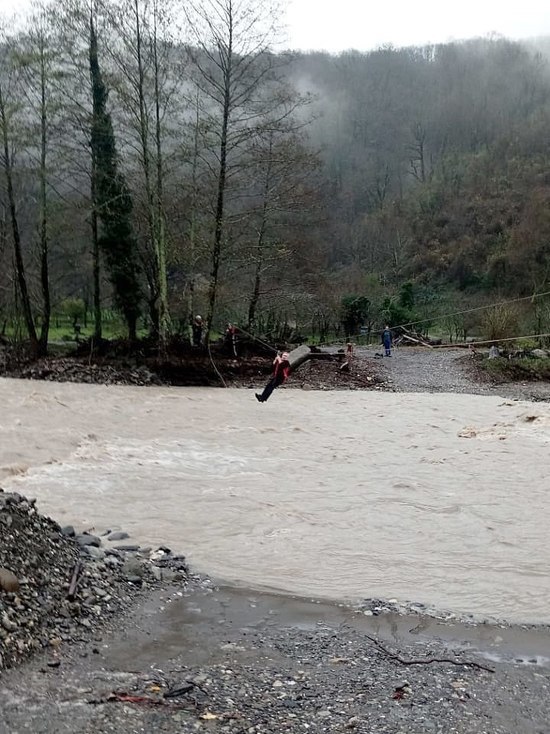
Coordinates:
(387, 340)
(281, 370)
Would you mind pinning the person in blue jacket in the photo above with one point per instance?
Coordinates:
(387, 340)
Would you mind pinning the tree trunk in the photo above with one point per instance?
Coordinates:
(253, 303)
(193, 223)
(218, 230)
(44, 256)
(298, 356)
(98, 327)
(131, 320)
(260, 246)
(153, 181)
(146, 158)
(19, 264)
(152, 300)
(164, 313)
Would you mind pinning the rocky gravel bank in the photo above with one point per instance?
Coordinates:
(412, 369)
(216, 660)
(57, 586)
(76, 370)
(126, 640)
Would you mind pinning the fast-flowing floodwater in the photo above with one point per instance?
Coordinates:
(442, 499)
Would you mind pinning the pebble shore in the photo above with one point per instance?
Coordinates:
(57, 585)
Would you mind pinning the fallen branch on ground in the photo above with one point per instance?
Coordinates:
(426, 661)
(421, 342)
(74, 581)
(142, 700)
(182, 689)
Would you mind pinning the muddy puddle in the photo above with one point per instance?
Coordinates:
(197, 623)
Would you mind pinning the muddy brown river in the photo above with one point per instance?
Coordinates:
(442, 499)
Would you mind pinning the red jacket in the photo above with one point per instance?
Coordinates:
(282, 367)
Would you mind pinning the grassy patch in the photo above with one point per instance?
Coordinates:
(515, 370)
(62, 331)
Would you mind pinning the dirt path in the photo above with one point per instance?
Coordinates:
(413, 369)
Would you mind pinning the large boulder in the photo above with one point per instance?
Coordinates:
(8, 580)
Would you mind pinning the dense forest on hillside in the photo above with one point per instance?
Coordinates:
(159, 162)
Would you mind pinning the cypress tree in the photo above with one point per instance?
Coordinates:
(113, 202)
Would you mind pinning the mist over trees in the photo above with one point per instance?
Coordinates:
(157, 164)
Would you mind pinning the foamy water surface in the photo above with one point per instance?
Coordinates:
(443, 499)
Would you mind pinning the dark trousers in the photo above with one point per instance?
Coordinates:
(271, 385)
(197, 335)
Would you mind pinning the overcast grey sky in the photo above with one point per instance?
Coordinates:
(337, 25)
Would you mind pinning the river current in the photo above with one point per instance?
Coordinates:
(442, 499)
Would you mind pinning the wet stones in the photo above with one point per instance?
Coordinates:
(7, 623)
(56, 583)
(87, 539)
(118, 535)
(133, 567)
(94, 552)
(8, 580)
(376, 607)
(73, 370)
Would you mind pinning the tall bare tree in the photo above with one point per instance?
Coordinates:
(142, 53)
(36, 60)
(7, 158)
(282, 188)
(230, 52)
(26, 107)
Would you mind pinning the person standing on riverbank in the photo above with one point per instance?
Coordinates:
(387, 340)
(281, 371)
(230, 339)
(197, 327)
